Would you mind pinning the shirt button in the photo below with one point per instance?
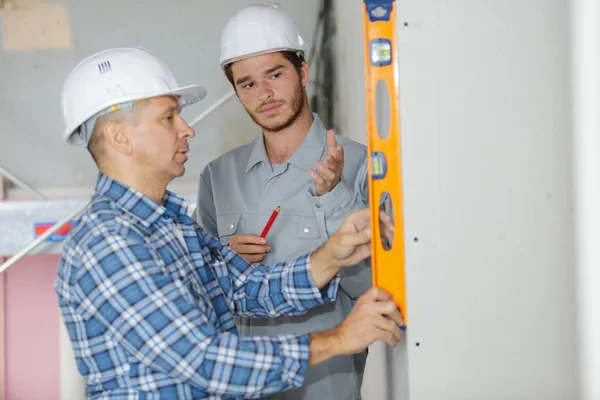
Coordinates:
(165, 217)
(231, 226)
(306, 230)
(317, 205)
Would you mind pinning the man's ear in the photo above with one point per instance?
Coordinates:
(304, 73)
(118, 136)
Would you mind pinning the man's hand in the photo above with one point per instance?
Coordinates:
(330, 170)
(252, 248)
(374, 317)
(349, 245)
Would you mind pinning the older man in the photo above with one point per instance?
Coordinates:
(147, 296)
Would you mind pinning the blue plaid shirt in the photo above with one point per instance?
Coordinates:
(148, 300)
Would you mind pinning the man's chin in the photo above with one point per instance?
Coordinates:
(274, 124)
(179, 172)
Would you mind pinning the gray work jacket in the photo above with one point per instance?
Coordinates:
(237, 194)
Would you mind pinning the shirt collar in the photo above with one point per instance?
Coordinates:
(310, 150)
(258, 154)
(137, 204)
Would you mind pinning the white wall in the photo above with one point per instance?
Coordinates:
(585, 71)
(350, 75)
(486, 139)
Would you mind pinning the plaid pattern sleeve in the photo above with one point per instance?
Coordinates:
(268, 291)
(121, 292)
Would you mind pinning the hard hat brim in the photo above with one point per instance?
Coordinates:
(231, 60)
(187, 95)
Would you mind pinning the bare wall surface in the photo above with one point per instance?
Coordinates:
(486, 139)
(186, 33)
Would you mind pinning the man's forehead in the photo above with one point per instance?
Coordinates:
(164, 102)
(258, 64)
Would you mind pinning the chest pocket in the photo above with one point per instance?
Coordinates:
(227, 226)
(306, 228)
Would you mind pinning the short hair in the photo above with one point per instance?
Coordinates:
(295, 57)
(96, 142)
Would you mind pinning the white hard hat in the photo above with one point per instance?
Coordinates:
(259, 29)
(113, 77)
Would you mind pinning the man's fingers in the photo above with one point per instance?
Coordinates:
(251, 249)
(339, 155)
(375, 294)
(355, 239)
(396, 316)
(249, 244)
(330, 163)
(389, 309)
(359, 254)
(318, 180)
(331, 142)
(335, 161)
(325, 172)
(389, 338)
(386, 224)
(388, 228)
(390, 326)
(385, 218)
(360, 216)
(357, 220)
(248, 239)
(384, 307)
(333, 149)
(397, 332)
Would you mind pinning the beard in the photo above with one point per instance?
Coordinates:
(297, 104)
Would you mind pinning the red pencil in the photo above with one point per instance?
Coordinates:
(270, 222)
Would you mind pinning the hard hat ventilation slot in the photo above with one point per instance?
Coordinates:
(104, 67)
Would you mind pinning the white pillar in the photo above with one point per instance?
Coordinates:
(586, 111)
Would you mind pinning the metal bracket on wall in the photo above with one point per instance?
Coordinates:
(17, 181)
